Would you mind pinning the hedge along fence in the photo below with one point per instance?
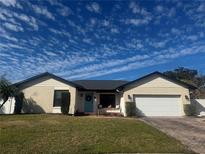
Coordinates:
(130, 108)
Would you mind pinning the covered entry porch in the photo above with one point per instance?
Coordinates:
(98, 102)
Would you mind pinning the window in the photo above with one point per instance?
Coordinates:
(61, 96)
(107, 100)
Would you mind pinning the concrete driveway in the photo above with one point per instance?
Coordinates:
(189, 130)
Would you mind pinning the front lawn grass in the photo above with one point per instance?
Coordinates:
(66, 134)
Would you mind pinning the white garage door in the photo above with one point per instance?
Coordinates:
(158, 105)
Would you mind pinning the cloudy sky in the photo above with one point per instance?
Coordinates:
(100, 39)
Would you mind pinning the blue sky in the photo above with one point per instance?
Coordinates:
(100, 39)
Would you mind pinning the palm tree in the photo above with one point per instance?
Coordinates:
(6, 90)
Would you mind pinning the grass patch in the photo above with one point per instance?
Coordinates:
(66, 134)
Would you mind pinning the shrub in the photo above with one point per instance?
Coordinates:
(65, 108)
(19, 98)
(130, 109)
(65, 105)
(189, 109)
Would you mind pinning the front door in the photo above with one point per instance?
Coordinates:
(88, 106)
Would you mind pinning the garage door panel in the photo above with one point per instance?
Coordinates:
(158, 105)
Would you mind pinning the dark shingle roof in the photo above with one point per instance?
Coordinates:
(100, 84)
(46, 74)
(81, 84)
(161, 75)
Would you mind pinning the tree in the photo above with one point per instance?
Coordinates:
(6, 90)
(183, 74)
(191, 77)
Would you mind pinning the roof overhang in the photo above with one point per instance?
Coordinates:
(189, 86)
(49, 75)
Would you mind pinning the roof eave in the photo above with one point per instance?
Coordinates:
(18, 84)
(189, 86)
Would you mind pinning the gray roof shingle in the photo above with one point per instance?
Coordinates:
(100, 84)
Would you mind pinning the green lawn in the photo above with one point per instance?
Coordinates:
(66, 134)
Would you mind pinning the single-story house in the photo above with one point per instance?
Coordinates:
(154, 94)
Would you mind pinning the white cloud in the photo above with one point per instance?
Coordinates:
(201, 34)
(201, 8)
(8, 2)
(105, 23)
(8, 37)
(196, 13)
(11, 16)
(5, 13)
(93, 21)
(143, 17)
(134, 7)
(159, 9)
(172, 12)
(144, 12)
(138, 22)
(29, 20)
(13, 27)
(160, 58)
(175, 31)
(23, 17)
(94, 7)
(192, 37)
(96, 68)
(139, 46)
(50, 53)
(2, 31)
(162, 11)
(2, 16)
(11, 45)
(61, 9)
(60, 32)
(43, 11)
(159, 44)
(114, 30)
(87, 40)
(135, 21)
(64, 11)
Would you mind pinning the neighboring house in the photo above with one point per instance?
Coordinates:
(8, 107)
(199, 106)
(154, 94)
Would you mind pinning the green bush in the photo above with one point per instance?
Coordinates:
(189, 109)
(65, 104)
(130, 109)
(19, 98)
(64, 108)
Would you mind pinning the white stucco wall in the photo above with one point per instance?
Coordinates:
(156, 85)
(41, 92)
